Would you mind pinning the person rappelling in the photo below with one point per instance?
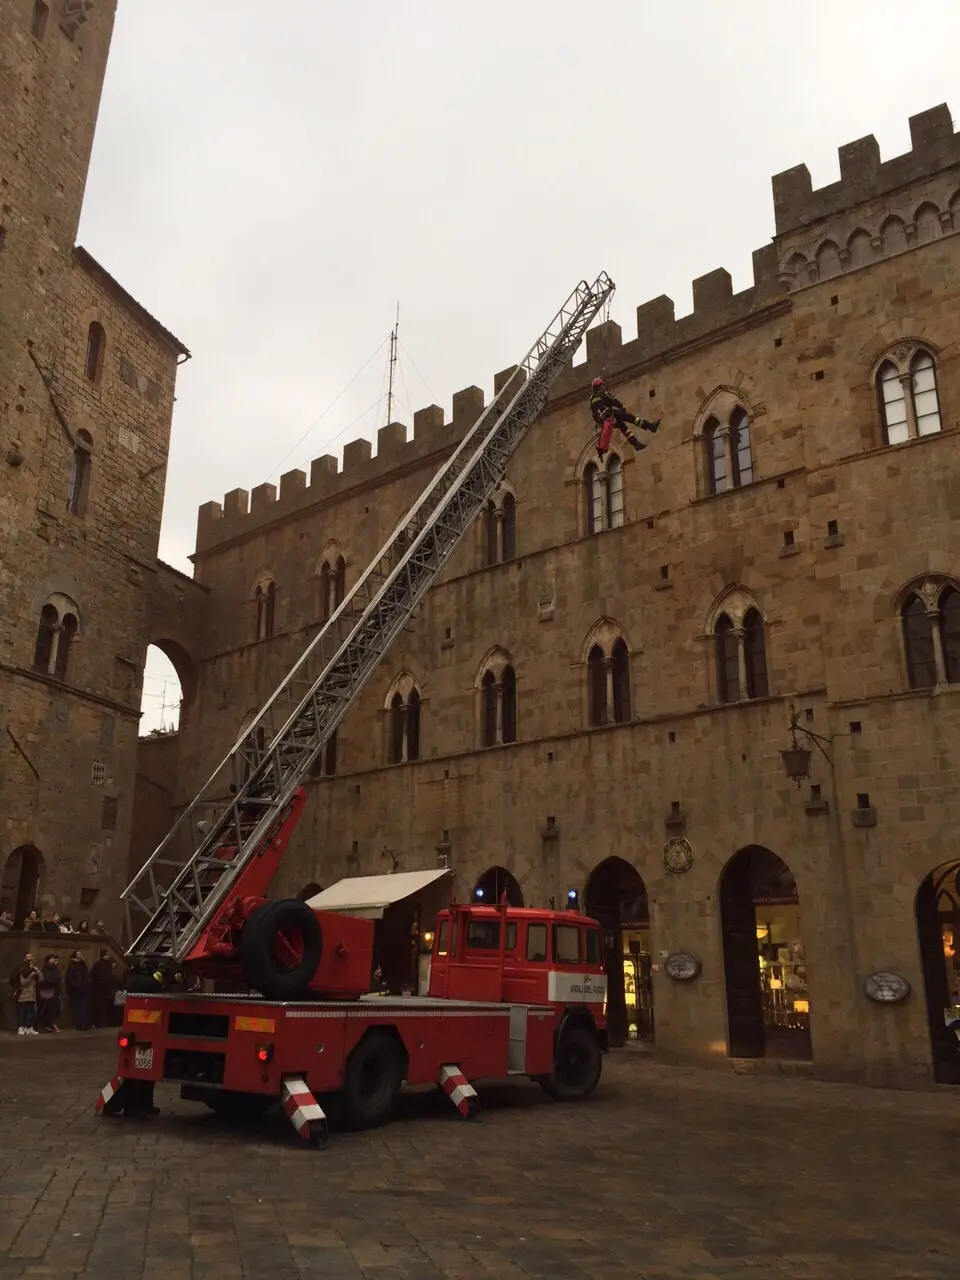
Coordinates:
(608, 413)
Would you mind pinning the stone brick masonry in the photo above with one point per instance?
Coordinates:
(824, 542)
(68, 738)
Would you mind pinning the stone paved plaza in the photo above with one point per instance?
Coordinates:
(667, 1174)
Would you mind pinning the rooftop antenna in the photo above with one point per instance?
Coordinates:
(393, 364)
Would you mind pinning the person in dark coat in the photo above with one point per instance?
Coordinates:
(608, 412)
(48, 994)
(103, 984)
(78, 991)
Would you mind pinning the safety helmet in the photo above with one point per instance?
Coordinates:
(598, 382)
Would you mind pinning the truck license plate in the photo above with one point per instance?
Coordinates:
(143, 1057)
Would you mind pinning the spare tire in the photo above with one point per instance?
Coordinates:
(280, 948)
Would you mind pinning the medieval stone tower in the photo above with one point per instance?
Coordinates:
(86, 397)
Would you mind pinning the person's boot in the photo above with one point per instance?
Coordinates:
(652, 427)
(637, 443)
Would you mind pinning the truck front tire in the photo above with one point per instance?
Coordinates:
(280, 948)
(577, 1065)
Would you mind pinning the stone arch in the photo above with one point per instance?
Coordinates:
(927, 222)
(893, 235)
(310, 891)
(860, 247)
(616, 897)
(768, 1001)
(605, 632)
(495, 659)
(937, 911)
(828, 260)
(495, 882)
(22, 881)
(403, 683)
(795, 268)
(735, 601)
(331, 553)
(183, 663)
(954, 204)
(723, 401)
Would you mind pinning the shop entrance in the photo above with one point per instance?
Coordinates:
(616, 896)
(938, 932)
(21, 883)
(768, 1002)
(493, 884)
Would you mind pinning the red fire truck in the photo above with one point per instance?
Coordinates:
(512, 992)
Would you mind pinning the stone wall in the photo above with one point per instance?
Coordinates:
(823, 542)
(68, 731)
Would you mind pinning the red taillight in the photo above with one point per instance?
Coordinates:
(265, 1053)
(125, 1039)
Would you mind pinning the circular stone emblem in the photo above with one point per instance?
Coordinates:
(678, 855)
(887, 988)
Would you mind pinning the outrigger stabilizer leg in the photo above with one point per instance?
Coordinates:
(303, 1111)
(460, 1092)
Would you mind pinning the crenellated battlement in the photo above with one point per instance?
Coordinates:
(863, 176)
(660, 336)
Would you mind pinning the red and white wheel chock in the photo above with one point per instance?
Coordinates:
(303, 1111)
(460, 1092)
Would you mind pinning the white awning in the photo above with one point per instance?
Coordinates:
(369, 896)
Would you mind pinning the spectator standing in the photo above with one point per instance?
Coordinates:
(6, 921)
(102, 988)
(51, 984)
(28, 982)
(78, 991)
(32, 921)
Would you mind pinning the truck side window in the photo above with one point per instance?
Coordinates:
(511, 936)
(442, 938)
(537, 942)
(566, 943)
(484, 934)
(594, 947)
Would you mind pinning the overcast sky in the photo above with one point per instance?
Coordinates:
(271, 179)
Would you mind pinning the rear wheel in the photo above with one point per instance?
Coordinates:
(280, 948)
(373, 1080)
(577, 1066)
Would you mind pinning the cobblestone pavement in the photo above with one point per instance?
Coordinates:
(665, 1174)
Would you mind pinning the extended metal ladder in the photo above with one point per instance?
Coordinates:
(215, 838)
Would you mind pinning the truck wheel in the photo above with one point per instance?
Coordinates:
(373, 1080)
(239, 1106)
(280, 948)
(577, 1067)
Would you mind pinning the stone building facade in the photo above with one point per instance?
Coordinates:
(597, 696)
(87, 382)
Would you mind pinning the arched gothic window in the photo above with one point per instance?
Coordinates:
(608, 683)
(265, 596)
(498, 706)
(403, 742)
(603, 500)
(57, 629)
(740, 652)
(908, 395)
(500, 529)
(728, 454)
(931, 634)
(333, 586)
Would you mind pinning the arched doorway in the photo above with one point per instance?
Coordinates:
(938, 932)
(310, 891)
(768, 1002)
(616, 896)
(493, 884)
(22, 876)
